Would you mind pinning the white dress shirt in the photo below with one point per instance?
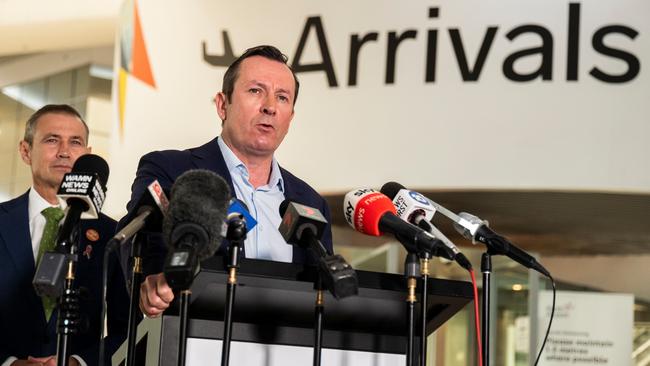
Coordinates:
(264, 241)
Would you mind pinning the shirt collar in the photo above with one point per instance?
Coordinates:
(236, 166)
(36, 204)
(233, 163)
(275, 180)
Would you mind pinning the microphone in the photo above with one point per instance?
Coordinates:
(477, 230)
(372, 213)
(239, 210)
(303, 226)
(237, 219)
(413, 207)
(194, 224)
(150, 209)
(81, 194)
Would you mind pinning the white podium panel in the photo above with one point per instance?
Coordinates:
(201, 352)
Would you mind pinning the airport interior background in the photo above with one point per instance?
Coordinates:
(594, 242)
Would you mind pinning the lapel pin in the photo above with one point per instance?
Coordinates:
(92, 235)
(88, 251)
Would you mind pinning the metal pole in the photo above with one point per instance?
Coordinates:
(486, 268)
(423, 307)
(136, 279)
(318, 327)
(68, 317)
(182, 331)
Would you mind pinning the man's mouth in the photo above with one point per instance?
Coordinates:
(266, 126)
(62, 167)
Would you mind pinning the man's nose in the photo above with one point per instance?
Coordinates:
(64, 150)
(269, 106)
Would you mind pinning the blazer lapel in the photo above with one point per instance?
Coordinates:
(209, 157)
(14, 229)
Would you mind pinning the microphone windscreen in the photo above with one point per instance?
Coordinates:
(391, 189)
(198, 197)
(94, 164)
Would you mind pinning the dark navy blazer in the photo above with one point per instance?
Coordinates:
(166, 166)
(23, 329)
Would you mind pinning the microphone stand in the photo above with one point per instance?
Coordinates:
(136, 279)
(486, 268)
(424, 270)
(182, 330)
(319, 308)
(411, 270)
(68, 320)
(236, 234)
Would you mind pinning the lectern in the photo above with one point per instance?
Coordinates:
(273, 318)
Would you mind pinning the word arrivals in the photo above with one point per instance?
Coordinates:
(470, 70)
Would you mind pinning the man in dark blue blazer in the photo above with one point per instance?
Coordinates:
(55, 137)
(256, 107)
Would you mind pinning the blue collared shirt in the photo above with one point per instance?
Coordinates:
(264, 240)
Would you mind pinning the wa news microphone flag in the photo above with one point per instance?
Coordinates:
(81, 193)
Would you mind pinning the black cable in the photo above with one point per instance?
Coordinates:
(550, 321)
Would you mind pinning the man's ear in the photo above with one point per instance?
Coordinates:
(25, 151)
(220, 101)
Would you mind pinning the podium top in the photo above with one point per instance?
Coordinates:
(275, 294)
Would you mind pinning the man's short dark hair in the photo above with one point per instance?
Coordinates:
(266, 51)
(30, 126)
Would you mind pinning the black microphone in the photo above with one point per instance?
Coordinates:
(194, 224)
(81, 194)
(475, 229)
(372, 213)
(150, 211)
(303, 226)
(413, 207)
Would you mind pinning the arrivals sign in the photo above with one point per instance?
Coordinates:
(497, 94)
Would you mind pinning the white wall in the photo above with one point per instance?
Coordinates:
(491, 133)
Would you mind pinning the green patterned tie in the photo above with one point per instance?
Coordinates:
(52, 217)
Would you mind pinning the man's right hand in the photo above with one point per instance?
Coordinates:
(155, 295)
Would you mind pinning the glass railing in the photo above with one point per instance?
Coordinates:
(516, 291)
(641, 348)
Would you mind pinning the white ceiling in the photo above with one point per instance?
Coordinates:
(29, 26)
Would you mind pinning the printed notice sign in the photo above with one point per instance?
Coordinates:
(588, 328)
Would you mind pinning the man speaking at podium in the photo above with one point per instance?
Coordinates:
(256, 107)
